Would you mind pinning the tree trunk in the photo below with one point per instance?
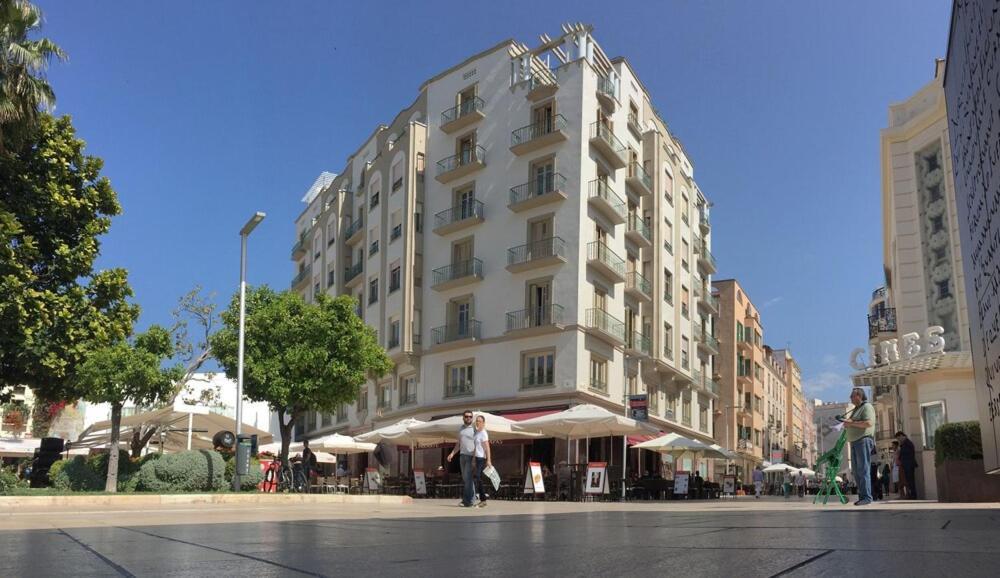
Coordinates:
(140, 437)
(286, 433)
(116, 421)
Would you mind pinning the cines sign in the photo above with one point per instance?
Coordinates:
(894, 350)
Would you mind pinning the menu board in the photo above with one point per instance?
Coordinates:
(533, 482)
(681, 482)
(420, 482)
(597, 478)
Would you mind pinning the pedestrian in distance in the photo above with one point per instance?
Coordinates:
(758, 481)
(886, 477)
(876, 486)
(907, 465)
(465, 448)
(483, 456)
(860, 424)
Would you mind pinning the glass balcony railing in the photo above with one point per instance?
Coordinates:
(603, 321)
(606, 86)
(598, 251)
(634, 280)
(466, 108)
(534, 317)
(456, 331)
(538, 129)
(601, 190)
(542, 249)
(472, 209)
(464, 158)
(637, 225)
(636, 171)
(543, 185)
(467, 268)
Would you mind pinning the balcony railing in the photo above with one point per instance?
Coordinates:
(458, 389)
(601, 190)
(393, 342)
(634, 280)
(537, 130)
(302, 275)
(635, 171)
(638, 225)
(472, 209)
(884, 321)
(541, 186)
(639, 342)
(299, 248)
(537, 250)
(397, 232)
(606, 87)
(535, 317)
(705, 257)
(707, 338)
(880, 293)
(456, 331)
(464, 158)
(466, 108)
(601, 132)
(467, 268)
(603, 321)
(397, 184)
(354, 227)
(703, 221)
(598, 251)
(352, 271)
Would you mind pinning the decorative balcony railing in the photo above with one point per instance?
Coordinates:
(603, 321)
(466, 108)
(354, 227)
(601, 190)
(544, 185)
(456, 331)
(598, 251)
(538, 129)
(535, 317)
(352, 271)
(635, 280)
(638, 225)
(466, 157)
(472, 209)
(883, 321)
(468, 268)
(541, 249)
(636, 171)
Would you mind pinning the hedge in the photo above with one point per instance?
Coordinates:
(189, 471)
(247, 482)
(9, 481)
(89, 474)
(958, 441)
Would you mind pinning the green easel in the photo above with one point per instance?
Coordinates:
(832, 461)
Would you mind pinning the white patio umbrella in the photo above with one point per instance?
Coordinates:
(499, 428)
(673, 443)
(583, 421)
(726, 454)
(341, 444)
(807, 472)
(399, 434)
(779, 468)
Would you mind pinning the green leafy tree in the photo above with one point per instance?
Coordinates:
(23, 62)
(128, 371)
(299, 356)
(54, 204)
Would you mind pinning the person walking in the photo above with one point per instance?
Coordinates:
(897, 472)
(465, 447)
(786, 484)
(800, 484)
(886, 476)
(876, 485)
(758, 481)
(860, 424)
(483, 456)
(908, 465)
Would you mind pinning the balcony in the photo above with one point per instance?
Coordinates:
(540, 87)
(707, 341)
(880, 294)
(457, 274)
(535, 319)
(703, 223)
(883, 321)
(302, 277)
(638, 345)
(745, 380)
(543, 190)
(460, 165)
(634, 125)
(458, 389)
(607, 92)
(542, 253)
(352, 274)
(456, 332)
(397, 232)
(606, 261)
(354, 232)
(706, 301)
(465, 114)
(299, 248)
(460, 216)
(605, 141)
(604, 199)
(639, 179)
(705, 258)
(638, 286)
(638, 231)
(711, 386)
(538, 135)
(601, 324)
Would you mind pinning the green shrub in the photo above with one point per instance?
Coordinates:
(9, 481)
(958, 441)
(90, 473)
(190, 471)
(247, 482)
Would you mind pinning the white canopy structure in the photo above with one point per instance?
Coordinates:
(399, 434)
(295, 448)
(779, 468)
(582, 421)
(499, 428)
(675, 444)
(341, 444)
(177, 430)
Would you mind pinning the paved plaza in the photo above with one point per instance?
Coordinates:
(434, 537)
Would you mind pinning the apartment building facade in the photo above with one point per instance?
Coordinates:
(800, 433)
(526, 236)
(924, 277)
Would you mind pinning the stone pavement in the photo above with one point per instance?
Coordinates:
(745, 537)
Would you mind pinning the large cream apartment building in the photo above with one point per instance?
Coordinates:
(526, 236)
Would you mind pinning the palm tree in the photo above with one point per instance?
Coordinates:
(23, 88)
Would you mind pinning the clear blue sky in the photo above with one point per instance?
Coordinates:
(207, 111)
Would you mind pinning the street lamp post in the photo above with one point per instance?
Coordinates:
(244, 233)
